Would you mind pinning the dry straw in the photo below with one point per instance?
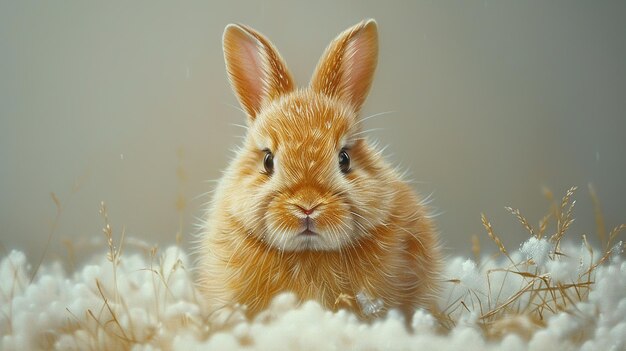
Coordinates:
(526, 310)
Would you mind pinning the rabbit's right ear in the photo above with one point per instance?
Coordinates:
(256, 71)
(347, 67)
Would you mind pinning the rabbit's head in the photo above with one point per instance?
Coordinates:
(306, 178)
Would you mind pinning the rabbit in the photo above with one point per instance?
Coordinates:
(308, 205)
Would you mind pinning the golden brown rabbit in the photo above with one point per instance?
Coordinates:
(308, 205)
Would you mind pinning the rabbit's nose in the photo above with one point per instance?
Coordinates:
(307, 210)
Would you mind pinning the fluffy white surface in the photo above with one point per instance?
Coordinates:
(151, 304)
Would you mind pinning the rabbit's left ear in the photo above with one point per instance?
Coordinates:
(346, 69)
(256, 71)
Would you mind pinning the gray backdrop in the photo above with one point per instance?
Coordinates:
(129, 103)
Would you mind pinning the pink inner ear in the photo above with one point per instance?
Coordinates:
(360, 57)
(246, 67)
(356, 67)
(251, 73)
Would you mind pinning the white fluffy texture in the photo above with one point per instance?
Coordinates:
(537, 250)
(59, 311)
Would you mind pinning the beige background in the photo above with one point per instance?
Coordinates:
(492, 100)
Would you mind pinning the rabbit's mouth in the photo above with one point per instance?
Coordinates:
(308, 232)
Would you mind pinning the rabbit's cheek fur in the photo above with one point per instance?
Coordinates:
(248, 194)
(371, 202)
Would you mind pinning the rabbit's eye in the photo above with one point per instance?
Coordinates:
(344, 161)
(268, 162)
